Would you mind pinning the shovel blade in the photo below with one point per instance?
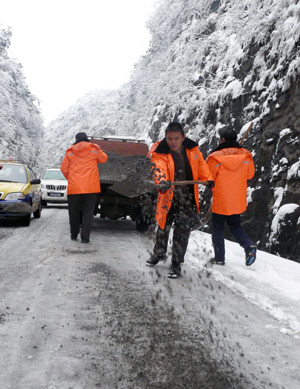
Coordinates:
(130, 188)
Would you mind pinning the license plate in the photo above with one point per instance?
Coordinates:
(55, 194)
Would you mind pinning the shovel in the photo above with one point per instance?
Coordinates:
(189, 183)
(130, 188)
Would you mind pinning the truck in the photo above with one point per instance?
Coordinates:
(126, 187)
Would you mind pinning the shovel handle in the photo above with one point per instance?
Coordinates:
(189, 183)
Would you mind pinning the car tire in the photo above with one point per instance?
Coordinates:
(37, 214)
(26, 220)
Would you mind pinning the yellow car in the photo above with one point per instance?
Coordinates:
(20, 193)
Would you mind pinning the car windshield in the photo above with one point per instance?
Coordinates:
(13, 173)
(53, 175)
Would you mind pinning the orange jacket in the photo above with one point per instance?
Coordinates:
(153, 148)
(164, 169)
(230, 168)
(79, 166)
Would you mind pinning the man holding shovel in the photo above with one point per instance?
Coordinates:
(231, 166)
(176, 158)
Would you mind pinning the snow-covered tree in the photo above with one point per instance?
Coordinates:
(21, 129)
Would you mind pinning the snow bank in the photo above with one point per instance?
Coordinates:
(272, 282)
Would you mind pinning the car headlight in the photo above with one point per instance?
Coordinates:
(15, 196)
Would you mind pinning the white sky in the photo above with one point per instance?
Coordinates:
(70, 47)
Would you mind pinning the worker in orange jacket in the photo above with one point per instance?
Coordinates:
(176, 158)
(231, 167)
(80, 167)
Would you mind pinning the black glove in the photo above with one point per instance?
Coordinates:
(164, 185)
(211, 184)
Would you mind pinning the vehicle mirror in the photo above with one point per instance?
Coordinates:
(36, 181)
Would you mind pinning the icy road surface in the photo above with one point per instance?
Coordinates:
(76, 315)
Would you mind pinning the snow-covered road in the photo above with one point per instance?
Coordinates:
(90, 316)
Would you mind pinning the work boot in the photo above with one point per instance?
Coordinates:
(175, 271)
(250, 255)
(217, 261)
(152, 261)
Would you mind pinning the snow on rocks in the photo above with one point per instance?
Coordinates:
(279, 218)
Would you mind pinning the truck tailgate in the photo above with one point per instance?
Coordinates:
(119, 167)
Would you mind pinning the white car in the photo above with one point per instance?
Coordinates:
(54, 187)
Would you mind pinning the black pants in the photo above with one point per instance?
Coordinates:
(81, 210)
(234, 223)
(182, 217)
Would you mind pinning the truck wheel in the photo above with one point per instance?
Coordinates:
(141, 223)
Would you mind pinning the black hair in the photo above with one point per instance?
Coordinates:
(81, 137)
(228, 133)
(174, 127)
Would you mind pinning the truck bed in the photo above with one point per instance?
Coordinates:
(119, 167)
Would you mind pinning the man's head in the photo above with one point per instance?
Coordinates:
(227, 134)
(174, 136)
(81, 137)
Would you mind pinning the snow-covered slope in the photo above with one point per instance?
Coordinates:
(213, 63)
(21, 129)
(272, 283)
